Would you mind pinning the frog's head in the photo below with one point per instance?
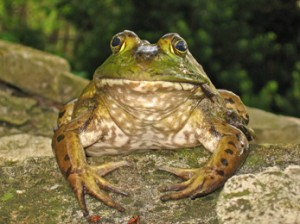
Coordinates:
(135, 59)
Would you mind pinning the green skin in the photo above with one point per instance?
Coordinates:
(150, 96)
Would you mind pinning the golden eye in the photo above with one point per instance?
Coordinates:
(117, 43)
(180, 47)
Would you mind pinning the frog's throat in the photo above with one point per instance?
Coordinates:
(148, 101)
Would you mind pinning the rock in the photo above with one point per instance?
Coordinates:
(272, 196)
(274, 129)
(38, 73)
(14, 110)
(34, 189)
(19, 114)
(19, 147)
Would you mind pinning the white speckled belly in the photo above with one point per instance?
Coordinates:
(146, 115)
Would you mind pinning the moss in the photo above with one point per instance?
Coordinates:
(48, 199)
(7, 196)
(237, 194)
(262, 156)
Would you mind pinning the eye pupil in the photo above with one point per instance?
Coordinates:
(181, 46)
(116, 41)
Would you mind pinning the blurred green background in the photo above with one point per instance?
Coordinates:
(248, 46)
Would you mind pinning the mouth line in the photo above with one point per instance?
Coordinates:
(144, 85)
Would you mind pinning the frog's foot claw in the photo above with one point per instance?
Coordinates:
(88, 181)
(200, 183)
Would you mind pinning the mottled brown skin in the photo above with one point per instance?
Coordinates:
(150, 96)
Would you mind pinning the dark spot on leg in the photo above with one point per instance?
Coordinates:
(213, 131)
(60, 137)
(229, 100)
(66, 158)
(231, 143)
(232, 114)
(61, 114)
(242, 145)
(224, 162)
(229, 151)
(239, 111)
(220, 172)
(68, 172)
(212, 177)
(247, 118)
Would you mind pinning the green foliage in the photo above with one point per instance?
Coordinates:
(96, 22)
(250, 47)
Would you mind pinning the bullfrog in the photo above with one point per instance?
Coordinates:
(150, 97)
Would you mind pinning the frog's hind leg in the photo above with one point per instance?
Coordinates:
(234, 104)
(237, 113)
(230, 148)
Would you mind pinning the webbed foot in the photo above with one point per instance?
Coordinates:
(197, 182)
(89, 180)
(230, 152)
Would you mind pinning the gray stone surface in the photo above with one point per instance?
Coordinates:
(19, 147)
(38, 73)
(34, 190)
(20, 113)
(274, 129)
(271, 196)
(14, 110)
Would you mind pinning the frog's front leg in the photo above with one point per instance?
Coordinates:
(83, 178)
(229, 147)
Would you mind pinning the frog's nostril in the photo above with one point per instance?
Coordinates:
(146, 52)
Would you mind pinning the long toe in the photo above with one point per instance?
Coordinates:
(174, 187)
(110, 187)
(105, 198)
(109, 167)
(180, 172)
(178, 195)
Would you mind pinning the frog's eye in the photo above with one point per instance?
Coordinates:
(117, 43)
(180, 47)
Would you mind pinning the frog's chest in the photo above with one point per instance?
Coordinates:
(140, 121)
(145, 137)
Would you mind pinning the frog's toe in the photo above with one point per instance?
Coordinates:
(105, 185)
(78, 189)
(201, 183)
(180, 172)
(174, 187)
(109, 167)
(87, 180)
(94, 190)
(183, 190)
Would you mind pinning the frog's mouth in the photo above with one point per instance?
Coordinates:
(146, 86)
